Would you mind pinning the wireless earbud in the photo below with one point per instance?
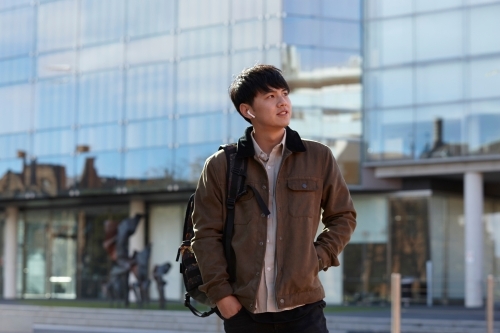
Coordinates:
(250, 114)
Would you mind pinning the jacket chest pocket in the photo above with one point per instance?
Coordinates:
(302, 197)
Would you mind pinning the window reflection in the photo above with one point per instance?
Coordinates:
(199, 13)
(341, 35)
(243, 9)
(56, 64)
(17, 32)
(301, 31)
(158, 132)
(438, 131)
(439, 83)
(203, 41)
(151, 49)
(54, 142)
(100, 57)
(150, 16)
(341, 9)
(203, 128)
(309, 8)
(390, 88)
(483, 21)
(439, 35)
(100, 98)
(189, 161)
(430, 5)
(15, 70)
(483, 136)
(11, 3)
(54, 175)
(100, 138)
(12, 144)
(12, 180)
(57, 25)
(149, 169)
(385, 8)
(99, 171)
(55, 103)
(16, 110)
(150, 91)
(247, 35)
(102, 20)
(484, 78)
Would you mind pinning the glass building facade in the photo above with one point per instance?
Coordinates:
(431, 74)
(431, 114)
(105, 101)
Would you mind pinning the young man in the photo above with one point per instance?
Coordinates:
(276, 286)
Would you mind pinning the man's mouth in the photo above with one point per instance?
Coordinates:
(283, 113)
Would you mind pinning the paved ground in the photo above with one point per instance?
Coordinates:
(424, 312)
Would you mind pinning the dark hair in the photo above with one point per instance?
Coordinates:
(259, 78)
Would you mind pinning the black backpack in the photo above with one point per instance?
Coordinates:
(235, 180)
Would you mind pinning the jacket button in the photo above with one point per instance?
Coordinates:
(264, 187)
(304, 185)
(282, 301)
(262, 215)
(261, 243)
(257, 273)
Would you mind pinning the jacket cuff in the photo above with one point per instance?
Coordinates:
(215, 294)
(324, 259)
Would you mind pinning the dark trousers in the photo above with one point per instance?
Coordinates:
(243, 322)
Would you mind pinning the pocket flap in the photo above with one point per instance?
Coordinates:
(302, 185)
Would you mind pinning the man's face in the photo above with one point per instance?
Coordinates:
(271, 109)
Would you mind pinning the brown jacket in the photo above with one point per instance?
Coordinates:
(308, 180)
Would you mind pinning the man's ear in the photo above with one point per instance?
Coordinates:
(244, 108)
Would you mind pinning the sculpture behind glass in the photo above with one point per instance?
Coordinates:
(158, 272)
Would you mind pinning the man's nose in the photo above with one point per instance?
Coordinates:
(282, 100)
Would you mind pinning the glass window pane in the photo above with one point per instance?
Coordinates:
(345, 9)
(439, 35)
(242, 60)
(390, 134)
(244, 9)
(99, 171)
(189, 161)
(143, 166)
(199, 129)
(151, 49)
(384, 8)
(430, 5)
(55, 103)
(100, 98)
(483, 21)
(150, 16)
(16, 37)
(55, 175)
(483, 136)
(203, 41)
(102, 20)
(150, 91)
(158, 132)
(202, 85)
(56, 64)
(247, 35)
(100, 138)
(15, 70)
(273, 6)
(273, 30)
(395, 41)
(101, 57)
(11, 178)
(301, 31)
(305, 8)
(389, 87)
(13, 3)
(439, 83)
(341, 35)
(57, 25)
(237, 126)
(438, 131)
(11, 144)
(54, 143)
(484, 78)
(16, 108)
(199, 13)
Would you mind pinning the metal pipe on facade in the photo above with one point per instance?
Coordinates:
(395, 303)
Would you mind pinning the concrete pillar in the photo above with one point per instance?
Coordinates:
(10, 253)
(473, 201)
(136, 242)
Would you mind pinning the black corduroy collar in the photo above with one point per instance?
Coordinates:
(293, 143)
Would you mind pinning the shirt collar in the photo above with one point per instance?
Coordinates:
(261, 154)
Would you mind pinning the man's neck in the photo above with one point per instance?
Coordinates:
(267, 139)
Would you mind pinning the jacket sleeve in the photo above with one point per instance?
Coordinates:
(339, 216)
(208, 222)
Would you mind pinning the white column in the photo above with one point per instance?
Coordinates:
(137, 240)
(10, 253)
(473, 201)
